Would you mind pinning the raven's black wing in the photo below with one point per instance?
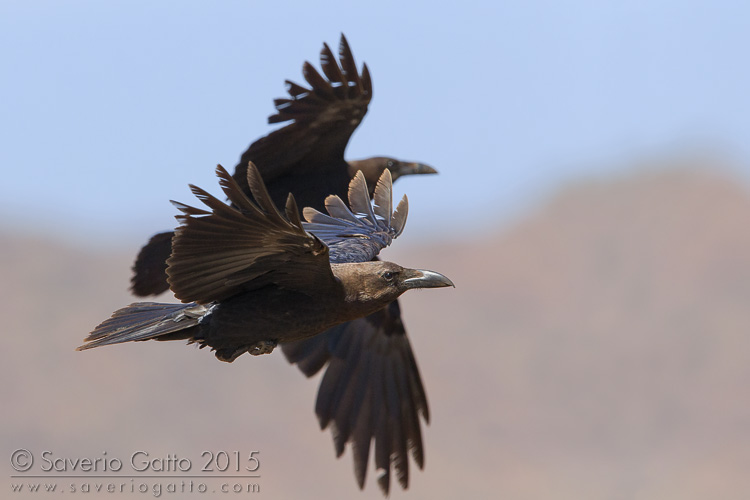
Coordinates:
(371, 390)
(323, 118)
(358, 235)
(248, 244)
(243, 246)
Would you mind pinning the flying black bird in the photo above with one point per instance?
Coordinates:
(369, 355)
(251, 278)
(305, 157)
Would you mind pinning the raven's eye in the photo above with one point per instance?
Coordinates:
(388, 275)
(390, 163)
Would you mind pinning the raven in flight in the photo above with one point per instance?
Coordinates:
(367, 355)
(250, 278)
(253, 278)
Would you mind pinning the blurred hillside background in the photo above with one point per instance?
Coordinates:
(592, 208)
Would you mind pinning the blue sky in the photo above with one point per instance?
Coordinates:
(110, 109)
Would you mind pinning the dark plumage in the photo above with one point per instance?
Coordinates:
(253, 278)
(371, 390)
(306, 158)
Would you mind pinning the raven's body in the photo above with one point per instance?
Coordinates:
(257, 320)
(252, 278)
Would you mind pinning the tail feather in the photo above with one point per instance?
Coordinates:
(144, 321)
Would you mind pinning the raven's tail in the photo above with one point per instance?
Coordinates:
(147, 320)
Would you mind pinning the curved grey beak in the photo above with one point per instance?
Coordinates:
(407, 168)
(422, 278)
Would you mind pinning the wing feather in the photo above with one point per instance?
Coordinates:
(320, 85)
(333, 71)
(322, 119)
(371, 391)
(383, 198)
(359, 197)
(399, 216)
(358, 234)
(349, 67)
(242, 246)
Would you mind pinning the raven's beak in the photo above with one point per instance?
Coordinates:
(422, 278)
(407, 168)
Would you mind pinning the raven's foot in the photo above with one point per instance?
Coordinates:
(262, 347)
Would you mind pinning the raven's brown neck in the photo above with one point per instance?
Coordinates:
(362, 293)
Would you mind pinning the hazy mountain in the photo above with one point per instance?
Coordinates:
(597, 348)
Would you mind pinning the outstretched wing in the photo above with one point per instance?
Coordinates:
(242, 246)
(323, 118)
(371, 390)
(247, 244)
(358, 235)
